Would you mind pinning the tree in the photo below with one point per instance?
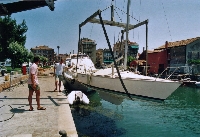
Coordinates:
(10, 32)
(18, 54)
(30, 56)
(43, 60)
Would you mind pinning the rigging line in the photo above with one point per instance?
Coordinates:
(128, 15)
(167, 21)
(106, 8)
(133, 29)
(140, 9)
(118, 36)
(118, 15)
(123, 7)
(91, 30)
(107, 39)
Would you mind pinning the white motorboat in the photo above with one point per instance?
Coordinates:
(86, 75)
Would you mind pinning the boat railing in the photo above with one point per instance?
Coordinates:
(176, 68)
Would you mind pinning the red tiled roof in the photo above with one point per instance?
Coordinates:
(179, 43)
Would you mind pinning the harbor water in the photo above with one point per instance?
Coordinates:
(115, 115)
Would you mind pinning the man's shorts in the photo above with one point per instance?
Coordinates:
(58, 77)
(30, 86)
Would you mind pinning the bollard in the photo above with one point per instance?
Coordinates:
(63, 133)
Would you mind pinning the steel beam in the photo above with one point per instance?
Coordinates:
(111, 23)
(137, 25)
(90, 18)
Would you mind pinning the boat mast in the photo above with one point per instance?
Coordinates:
(127, 29)
(112, 11)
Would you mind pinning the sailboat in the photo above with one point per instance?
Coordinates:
(82, 75)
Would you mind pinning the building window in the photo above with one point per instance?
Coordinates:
(189, 55)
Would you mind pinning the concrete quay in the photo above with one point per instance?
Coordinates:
(17, 121)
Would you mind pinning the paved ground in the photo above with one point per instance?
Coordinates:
(17, 121)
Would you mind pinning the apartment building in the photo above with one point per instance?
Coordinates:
(88, 47)
(45, 51)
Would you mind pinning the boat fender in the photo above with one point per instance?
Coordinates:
(89, 78)
(77, 97)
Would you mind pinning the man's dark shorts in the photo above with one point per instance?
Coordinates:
(30, 86)
(60, 77)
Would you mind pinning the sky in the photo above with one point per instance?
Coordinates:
(169, 20)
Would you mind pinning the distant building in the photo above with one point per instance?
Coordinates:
(184, 54)
(62, 56)
(107, 56)
(88, 47)
(133, 48)
(46, 52)
(119, 48)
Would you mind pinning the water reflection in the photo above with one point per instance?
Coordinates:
(114, 115)
(185, 96)
(96, 123)
(111, 97)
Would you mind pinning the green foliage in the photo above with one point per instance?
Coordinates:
(11, 32)
(194, 61)
(18, 54)
(9, 69)
(43, 60)
(129, 60)
(31, 56)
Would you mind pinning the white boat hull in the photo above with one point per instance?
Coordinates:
(139, 85)
(151, 89)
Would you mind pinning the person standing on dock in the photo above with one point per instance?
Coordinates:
(58, 72)
(33, 84)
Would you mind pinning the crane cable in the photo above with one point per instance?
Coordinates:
(107, 39)
(167, 22)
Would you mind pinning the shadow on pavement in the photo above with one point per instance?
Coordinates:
(17, 110)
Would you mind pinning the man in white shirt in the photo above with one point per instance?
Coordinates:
(58, 72)
(33, 84)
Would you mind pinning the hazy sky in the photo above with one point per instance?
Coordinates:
(169, 20)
